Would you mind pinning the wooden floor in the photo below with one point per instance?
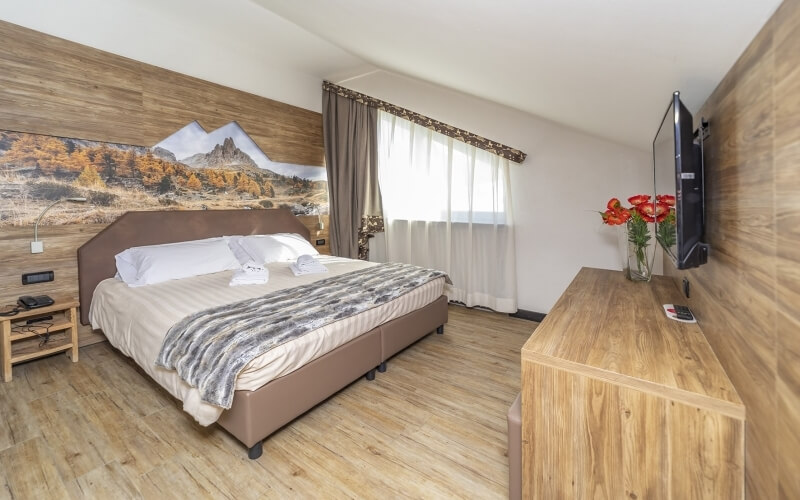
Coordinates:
(432, 426)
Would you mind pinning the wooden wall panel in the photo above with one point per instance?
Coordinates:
(53, 86)
(312, 223)
(787, 211)
(747, 297)
(284, 132)
(56, 87)
(60, 256)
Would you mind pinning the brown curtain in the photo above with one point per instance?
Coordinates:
(350, 131)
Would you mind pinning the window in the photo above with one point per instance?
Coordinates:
(427, 176)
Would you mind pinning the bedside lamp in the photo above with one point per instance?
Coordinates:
(36, 245)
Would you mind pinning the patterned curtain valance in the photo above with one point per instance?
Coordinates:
(501, 150)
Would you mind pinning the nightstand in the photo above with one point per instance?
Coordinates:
(22, 341)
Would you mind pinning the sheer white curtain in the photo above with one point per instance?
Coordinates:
(447, 205)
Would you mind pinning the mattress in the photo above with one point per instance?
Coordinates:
(135, 321)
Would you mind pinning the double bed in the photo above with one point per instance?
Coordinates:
(278, 385)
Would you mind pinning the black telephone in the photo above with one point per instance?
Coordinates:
(29, 302)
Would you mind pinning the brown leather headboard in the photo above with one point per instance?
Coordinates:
(133, 229)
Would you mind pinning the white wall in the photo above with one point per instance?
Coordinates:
(567, 177)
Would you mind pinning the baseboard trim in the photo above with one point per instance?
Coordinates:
(529, 315)
(521, 313)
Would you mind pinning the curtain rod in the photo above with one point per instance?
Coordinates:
(489, 145)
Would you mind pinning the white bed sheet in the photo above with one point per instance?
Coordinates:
(135, 321)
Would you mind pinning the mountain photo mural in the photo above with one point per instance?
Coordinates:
(190, 170)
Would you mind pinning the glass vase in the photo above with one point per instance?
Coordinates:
(639, 266)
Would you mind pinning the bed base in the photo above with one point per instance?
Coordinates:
(255, 415)
(257, 449)
(382, 366)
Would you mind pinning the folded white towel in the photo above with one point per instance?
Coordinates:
(250, 274)
(252, 267)
(308, 269)
(308, 262)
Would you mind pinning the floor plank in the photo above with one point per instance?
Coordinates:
(432, 426)
(109, 481)
(29, 471)
(78, 446)
(17, 423)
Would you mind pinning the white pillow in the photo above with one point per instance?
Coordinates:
(281, 247)
(296, 243)
(152, 264)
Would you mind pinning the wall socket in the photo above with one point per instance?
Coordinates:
(40, 277)
(320, 242)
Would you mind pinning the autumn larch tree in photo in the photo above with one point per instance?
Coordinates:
(90, 178)
(194, 183)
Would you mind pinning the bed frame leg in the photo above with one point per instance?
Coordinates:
(255, 451)
(440, 329)
(382, 367)
(371, 374)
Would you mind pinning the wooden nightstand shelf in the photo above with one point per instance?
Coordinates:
(21, 342)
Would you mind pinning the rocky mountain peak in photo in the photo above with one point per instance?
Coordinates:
(225, 155)
(164, 154)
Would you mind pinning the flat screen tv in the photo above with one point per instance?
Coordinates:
(678, 174)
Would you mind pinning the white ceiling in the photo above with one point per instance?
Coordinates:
(604, 67)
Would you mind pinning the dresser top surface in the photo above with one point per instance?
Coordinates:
(607, 326)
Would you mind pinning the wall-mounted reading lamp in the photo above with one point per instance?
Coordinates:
(36, 245)
(320, 225)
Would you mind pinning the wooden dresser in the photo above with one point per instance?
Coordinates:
(618, 401)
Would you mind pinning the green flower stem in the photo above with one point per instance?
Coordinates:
(666, 233)
(639, 237)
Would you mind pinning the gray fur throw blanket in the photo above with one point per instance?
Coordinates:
(209, 348)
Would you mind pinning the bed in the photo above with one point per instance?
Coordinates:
(271, 392)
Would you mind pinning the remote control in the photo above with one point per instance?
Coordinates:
(679, 313)
(683, 312)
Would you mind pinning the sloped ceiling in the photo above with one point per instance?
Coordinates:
(604, 67)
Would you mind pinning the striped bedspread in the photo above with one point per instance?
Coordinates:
(208, 349)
